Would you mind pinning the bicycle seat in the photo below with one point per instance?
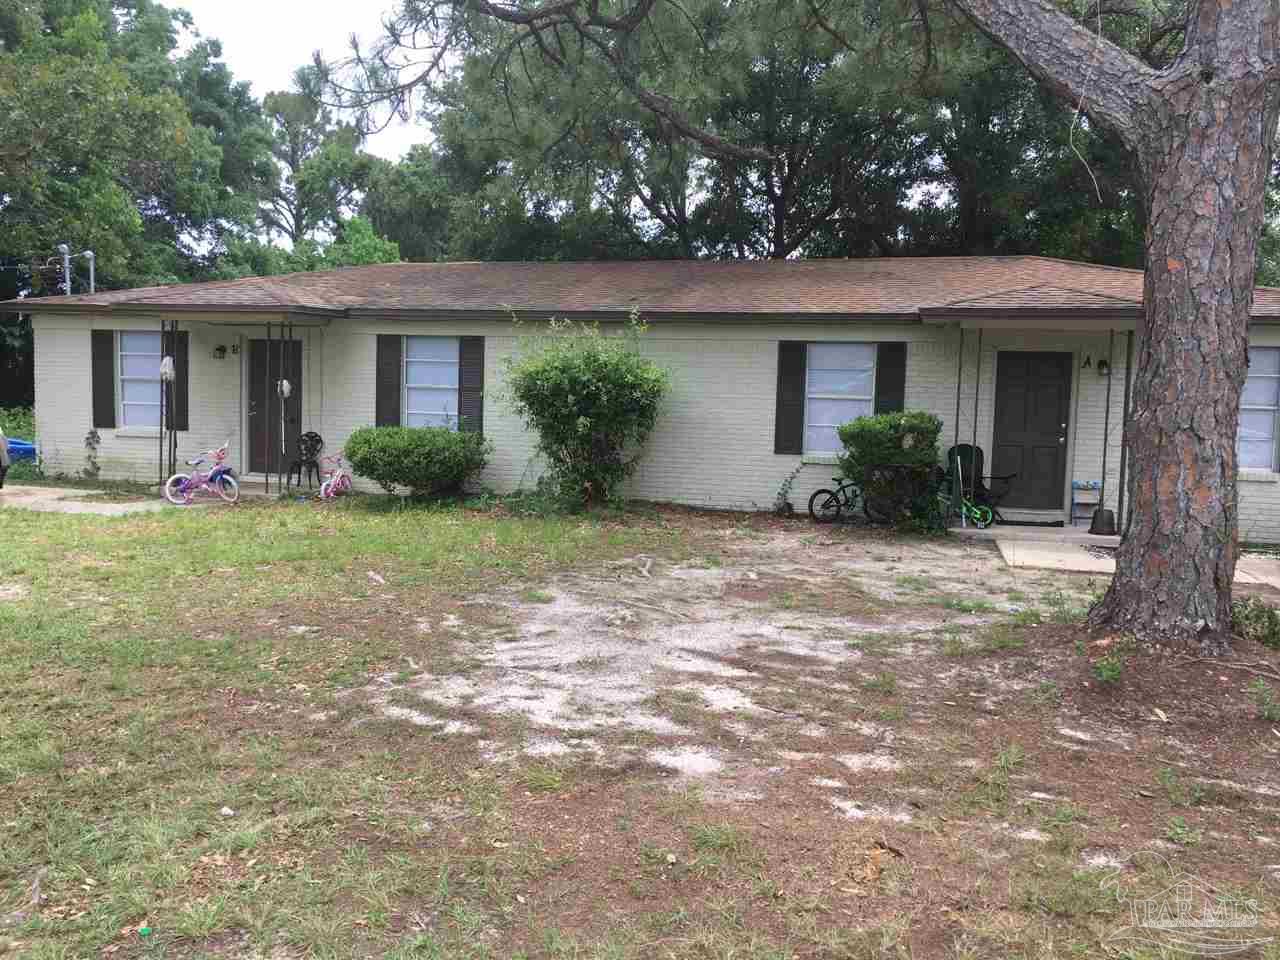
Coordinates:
(196, 462)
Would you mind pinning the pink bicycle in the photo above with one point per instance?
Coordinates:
(181, 488)
(337, 478)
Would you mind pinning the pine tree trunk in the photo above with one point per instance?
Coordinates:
(1204, 168)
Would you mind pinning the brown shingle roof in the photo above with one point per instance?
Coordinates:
(874, 287)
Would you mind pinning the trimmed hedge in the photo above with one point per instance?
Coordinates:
(429, 461)
(907, 444)
(592, 399)
(908, 439)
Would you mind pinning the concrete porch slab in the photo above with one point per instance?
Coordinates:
(1072, 556)
(71, 500)
(1053, 555)
(1039, 534)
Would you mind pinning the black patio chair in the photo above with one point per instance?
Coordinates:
(972, 464)
(307, 460)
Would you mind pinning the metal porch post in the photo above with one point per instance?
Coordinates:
(1121, 521)
(977, 389)
(956, 492)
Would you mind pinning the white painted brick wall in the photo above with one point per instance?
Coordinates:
(713, 445)
(64, 399)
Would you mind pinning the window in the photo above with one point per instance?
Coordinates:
(139, 372)
(1259, 407)
(840, 385)
(431, 382)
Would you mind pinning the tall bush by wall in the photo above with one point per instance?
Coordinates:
(907, 442)
(592, 400)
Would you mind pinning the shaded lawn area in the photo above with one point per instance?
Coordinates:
(287, 730)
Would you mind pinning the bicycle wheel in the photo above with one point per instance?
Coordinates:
(825, 506)
(227, 488)
(344, 484)
(327, 489)
(176, 489)
(981, 516)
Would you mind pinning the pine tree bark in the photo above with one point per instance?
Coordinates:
(1202, 131)
(1205, 176)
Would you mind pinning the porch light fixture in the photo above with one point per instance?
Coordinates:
(1104, 368)
(220, 352)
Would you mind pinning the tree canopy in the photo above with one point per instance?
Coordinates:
(123, 131)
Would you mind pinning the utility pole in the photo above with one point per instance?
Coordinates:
(66, 268)
(90, 256)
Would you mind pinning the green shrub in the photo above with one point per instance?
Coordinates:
(19, 423)
(1265, 698)
(1255, 619)
(909, 438)
(429, 461)
(908, 442)
(591, 399)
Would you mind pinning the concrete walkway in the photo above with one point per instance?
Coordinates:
(1074, 556)
(71, 500)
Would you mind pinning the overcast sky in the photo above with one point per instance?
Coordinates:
(264, 41)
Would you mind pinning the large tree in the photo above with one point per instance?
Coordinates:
(321, 166)
(1201, 127)
(1012, 173)
(1194, 99)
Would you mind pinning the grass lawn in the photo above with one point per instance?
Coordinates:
(293, 730)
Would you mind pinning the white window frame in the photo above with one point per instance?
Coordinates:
(1273, 409)
(454, 417)
(122, 419)
(809, 368)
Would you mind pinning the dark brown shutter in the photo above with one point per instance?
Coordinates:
(891, 377)
(389, 371)
(181, 353)
(471, 384)
(788, 424)
(102, 345)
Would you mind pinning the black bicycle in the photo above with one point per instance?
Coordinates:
(827, 506)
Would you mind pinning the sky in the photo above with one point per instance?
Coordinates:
(265, 41)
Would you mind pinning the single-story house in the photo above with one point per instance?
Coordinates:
(1021, 356)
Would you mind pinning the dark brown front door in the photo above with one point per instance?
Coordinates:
(1033, 395)
(266, 452)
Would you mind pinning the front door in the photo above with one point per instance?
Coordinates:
(273, 439)
(1033, 395)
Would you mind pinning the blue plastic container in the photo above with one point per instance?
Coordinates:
(21, 450)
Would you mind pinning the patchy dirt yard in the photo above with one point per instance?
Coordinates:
(676, 736)
(840, 695)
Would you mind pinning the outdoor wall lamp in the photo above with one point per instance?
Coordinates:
(220, 352)
(1104, 368)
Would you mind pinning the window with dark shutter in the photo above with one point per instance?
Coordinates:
(102, 345)
(471, 384)
(891, 377)
(788, 424)
(388, 387)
